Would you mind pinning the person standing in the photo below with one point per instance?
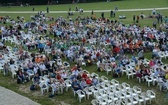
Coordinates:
(116, 8)
(47, 10)
(161, 18)
(102, 15)
(114, 14)
(111, 13)
(137, 20)
(154, 24)
(92, 12)
(134, 18)
(154, 11)
(33, 9)
(69, 9)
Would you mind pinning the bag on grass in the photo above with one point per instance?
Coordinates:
(100, 69)
(32, 87)
(18, 81)
(115, 75)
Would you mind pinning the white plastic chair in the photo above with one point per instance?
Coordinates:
(139, 98)
(137, 89)
(104, 78)
(44, 87)
(94, 74)
(126, 85)
(66, 64)
(94, 90)
(145, 97)
(88, 91)
(108, 69)
(67, 84)
(108, 99)
(133, 92)
(129, 73)
(81, 94)
(54, 89)
(94, 102)
(148, 80)
(114, 82)
(97, 95)
(151, 95)
(127, 101)
(104, 85)
(102, 101)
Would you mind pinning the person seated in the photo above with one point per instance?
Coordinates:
(84, 75)
(54, 86)
(80, 10)
(139, 73)
(64, 75)
(59, 78)
(75, 85)
(95, 81)
(88, 62)
(37, 59)
(118, 71)
(1, 46)
(6, 68)
(88, 81)
(72, 77)
(1, 57)
(20, 75)
(83, 83)
(36, 79)
(74, 68)
(166, 75)
(48, 65)
(70, 13)
(145, 71)
(30, 65)
(122, 17)
(59, 63)
(79, 77)
(11, 61)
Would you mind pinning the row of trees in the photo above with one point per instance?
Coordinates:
(40, 2)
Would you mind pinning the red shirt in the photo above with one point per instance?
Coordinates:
(88, 81)
(84, 75)
(74, 68)
(58, 77)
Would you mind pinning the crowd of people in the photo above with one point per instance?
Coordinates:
(82, 40)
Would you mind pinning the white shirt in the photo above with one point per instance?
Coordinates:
(42, 67)
(64, 75)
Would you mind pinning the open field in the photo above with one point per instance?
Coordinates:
(67, 98)
(123, 4)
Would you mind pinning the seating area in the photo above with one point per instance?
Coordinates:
(58, 64)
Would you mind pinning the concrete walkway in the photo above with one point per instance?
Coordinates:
(8, 97)
(120, 10)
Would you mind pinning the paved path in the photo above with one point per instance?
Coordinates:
(120, 10)
(8, 97)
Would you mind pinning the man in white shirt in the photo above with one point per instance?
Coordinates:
(42, 68)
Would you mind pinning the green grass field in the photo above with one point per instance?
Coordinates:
(67, 97)
(123, 4)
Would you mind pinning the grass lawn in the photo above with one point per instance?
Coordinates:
(123, 4)
(128, 20)
(67, 97)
